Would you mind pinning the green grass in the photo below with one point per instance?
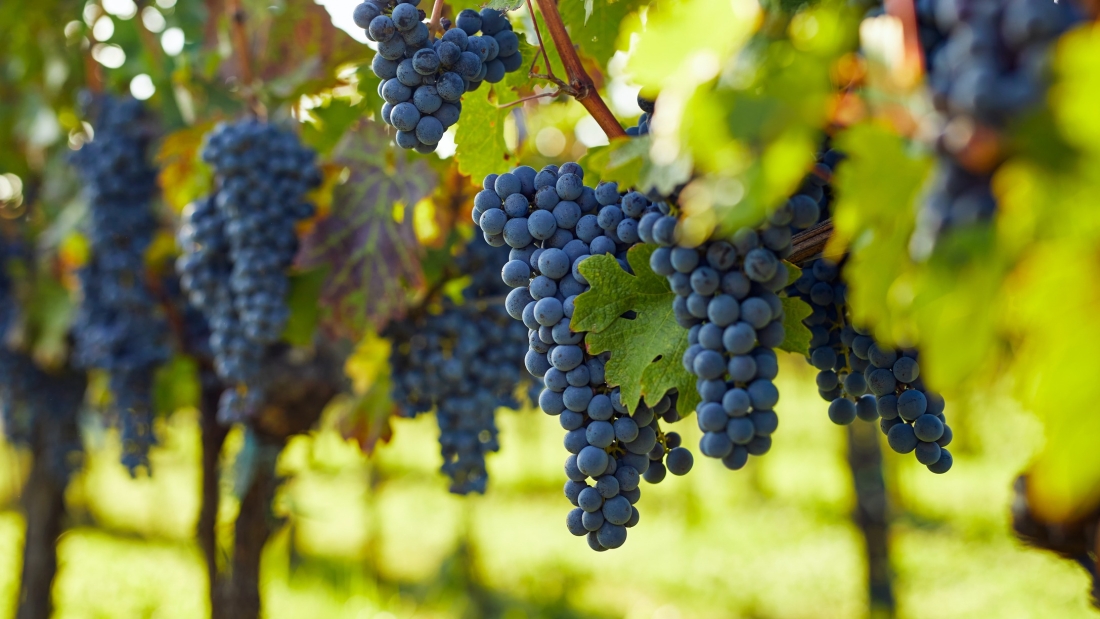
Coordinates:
(383, 539)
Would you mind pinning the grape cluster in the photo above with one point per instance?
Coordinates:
(424, 77)
(840, 379)
(118, 326)
(988, 64)
(461, 362)
(552, 222)
(237, 245)
(616, 450)
(912, 415)
(860, 378)
(726, 295)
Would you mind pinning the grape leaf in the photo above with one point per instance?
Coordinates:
(301, 49)
(479, 138)
(305, 313)
(183, 176)
(176, 385)
(795, 310)
(372, 253)
(505, 5)
(365, 413)
(646, 350)
(624, 161)
(594, 26)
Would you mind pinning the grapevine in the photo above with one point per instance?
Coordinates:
(210, 209)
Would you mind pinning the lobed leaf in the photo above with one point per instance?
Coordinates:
(645, 350)
(373, 255)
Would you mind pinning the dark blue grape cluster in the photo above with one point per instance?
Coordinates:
(912, 415)
(840, 379)
(615, 450)
(14, 377)
(118, 326)
(988, 64)
(552, 222)
(461, 362)
(424, 77)
(238, 244)
(861, 379)
(727, 296)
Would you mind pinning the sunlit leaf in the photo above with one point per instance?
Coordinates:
(183, 175)
(594, 26)
(479, 137)
(646, 351)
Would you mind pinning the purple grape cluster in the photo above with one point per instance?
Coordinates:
(988, 66)
(237, 245)
(552, 223)
(118, 325)
(424, 77)
(462, 363)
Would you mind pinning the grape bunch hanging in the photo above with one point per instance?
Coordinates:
(552, 223)
(861, 379)
(461, 362)
(727, 296)
(989, 64)
(118, 326)
(237, 245)
(424, 77)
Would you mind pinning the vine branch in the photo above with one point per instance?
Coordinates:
(579, 80)
(808, 244)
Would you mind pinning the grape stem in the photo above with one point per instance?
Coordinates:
(531, 98)
(437, 13)
(581, 84)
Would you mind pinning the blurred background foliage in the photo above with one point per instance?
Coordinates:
(364, 538)
(1003, 314)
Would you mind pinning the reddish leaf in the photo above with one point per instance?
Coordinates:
(371, 255)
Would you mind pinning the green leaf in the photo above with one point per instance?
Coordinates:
(183, 175)
(479, 138)
(624, 161)
(176, 385)
(305, 312)
(646, 350)
(795, 310)
(594, 26)
(49, 315)
(329, 122)
(505, 5)
(793, 272)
